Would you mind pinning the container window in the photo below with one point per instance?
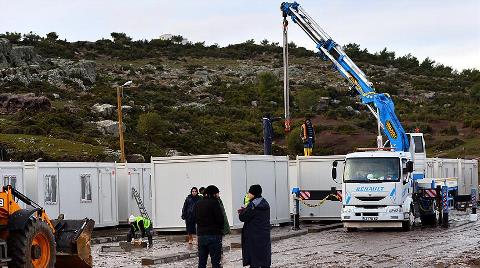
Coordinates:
(50, 189)
(10, 180)
(86, 187)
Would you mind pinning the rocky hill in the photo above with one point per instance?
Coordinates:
(58, 99)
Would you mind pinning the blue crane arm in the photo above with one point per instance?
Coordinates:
(383, 108)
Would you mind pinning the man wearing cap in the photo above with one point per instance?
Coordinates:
(141, 224)
(210, 224)
(256, 242)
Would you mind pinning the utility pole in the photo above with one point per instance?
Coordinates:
(120, 123)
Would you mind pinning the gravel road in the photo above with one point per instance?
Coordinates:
(457, 246)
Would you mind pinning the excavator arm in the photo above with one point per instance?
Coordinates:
(380, 104)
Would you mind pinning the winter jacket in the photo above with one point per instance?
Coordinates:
(267, 127)
(188, 209)
(256, 242)
(209, 217)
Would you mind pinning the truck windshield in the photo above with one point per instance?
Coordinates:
(376, 169)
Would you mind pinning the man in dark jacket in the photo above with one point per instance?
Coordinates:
(268, 133)
(209, 218)
(256, 242)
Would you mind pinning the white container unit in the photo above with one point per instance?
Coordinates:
(314, 173)
(466, 172)
(173, 177)
(75, 189)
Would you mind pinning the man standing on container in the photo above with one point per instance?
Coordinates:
(268, 133)
(210, 224)
(256, 241)
(307, 134)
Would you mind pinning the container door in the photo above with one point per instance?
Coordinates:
(147, 190)
(135, 183)
(107, 205)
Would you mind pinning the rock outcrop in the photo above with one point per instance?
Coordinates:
(12, 103)
(22, 64)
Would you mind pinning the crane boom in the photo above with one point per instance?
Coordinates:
(380, 104)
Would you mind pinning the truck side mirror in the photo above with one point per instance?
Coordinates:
(334, 173)
(409, 167)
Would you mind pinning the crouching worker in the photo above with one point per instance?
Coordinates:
(140, 224)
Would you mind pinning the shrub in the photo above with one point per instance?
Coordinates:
(451, 130)
(345, 129)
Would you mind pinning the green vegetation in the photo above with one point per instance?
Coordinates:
(206, 99)
(32, 147)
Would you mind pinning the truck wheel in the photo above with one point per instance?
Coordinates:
(408, 225)
(432, 218)
(34, 246)
(429, 219)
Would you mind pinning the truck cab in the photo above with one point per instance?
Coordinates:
(377, 190)
(378, 186)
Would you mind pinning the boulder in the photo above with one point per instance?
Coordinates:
(104, 110)
(109, 127)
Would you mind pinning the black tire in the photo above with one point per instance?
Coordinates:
(428, 220)
(408, 225)
(432, 218)
(19, 244)
(351, 229)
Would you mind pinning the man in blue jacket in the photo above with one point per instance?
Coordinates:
(268, 133)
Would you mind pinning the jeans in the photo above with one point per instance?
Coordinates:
(209, 245)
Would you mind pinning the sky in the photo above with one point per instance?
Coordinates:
(443, 30)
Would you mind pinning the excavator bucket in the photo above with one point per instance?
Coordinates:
(73, 243)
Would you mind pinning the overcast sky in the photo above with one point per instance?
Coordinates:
(444, 30)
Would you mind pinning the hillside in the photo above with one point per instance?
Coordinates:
(58, 99)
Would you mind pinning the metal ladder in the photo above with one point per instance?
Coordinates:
(140, 205)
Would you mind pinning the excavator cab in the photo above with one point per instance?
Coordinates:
(33, 240)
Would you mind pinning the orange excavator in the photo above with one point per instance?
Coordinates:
(29, 238)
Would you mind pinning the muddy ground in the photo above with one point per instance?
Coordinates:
(457, 246)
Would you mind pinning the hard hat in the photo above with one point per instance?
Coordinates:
(131, 219)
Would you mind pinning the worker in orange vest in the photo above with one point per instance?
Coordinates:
(307, 134)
